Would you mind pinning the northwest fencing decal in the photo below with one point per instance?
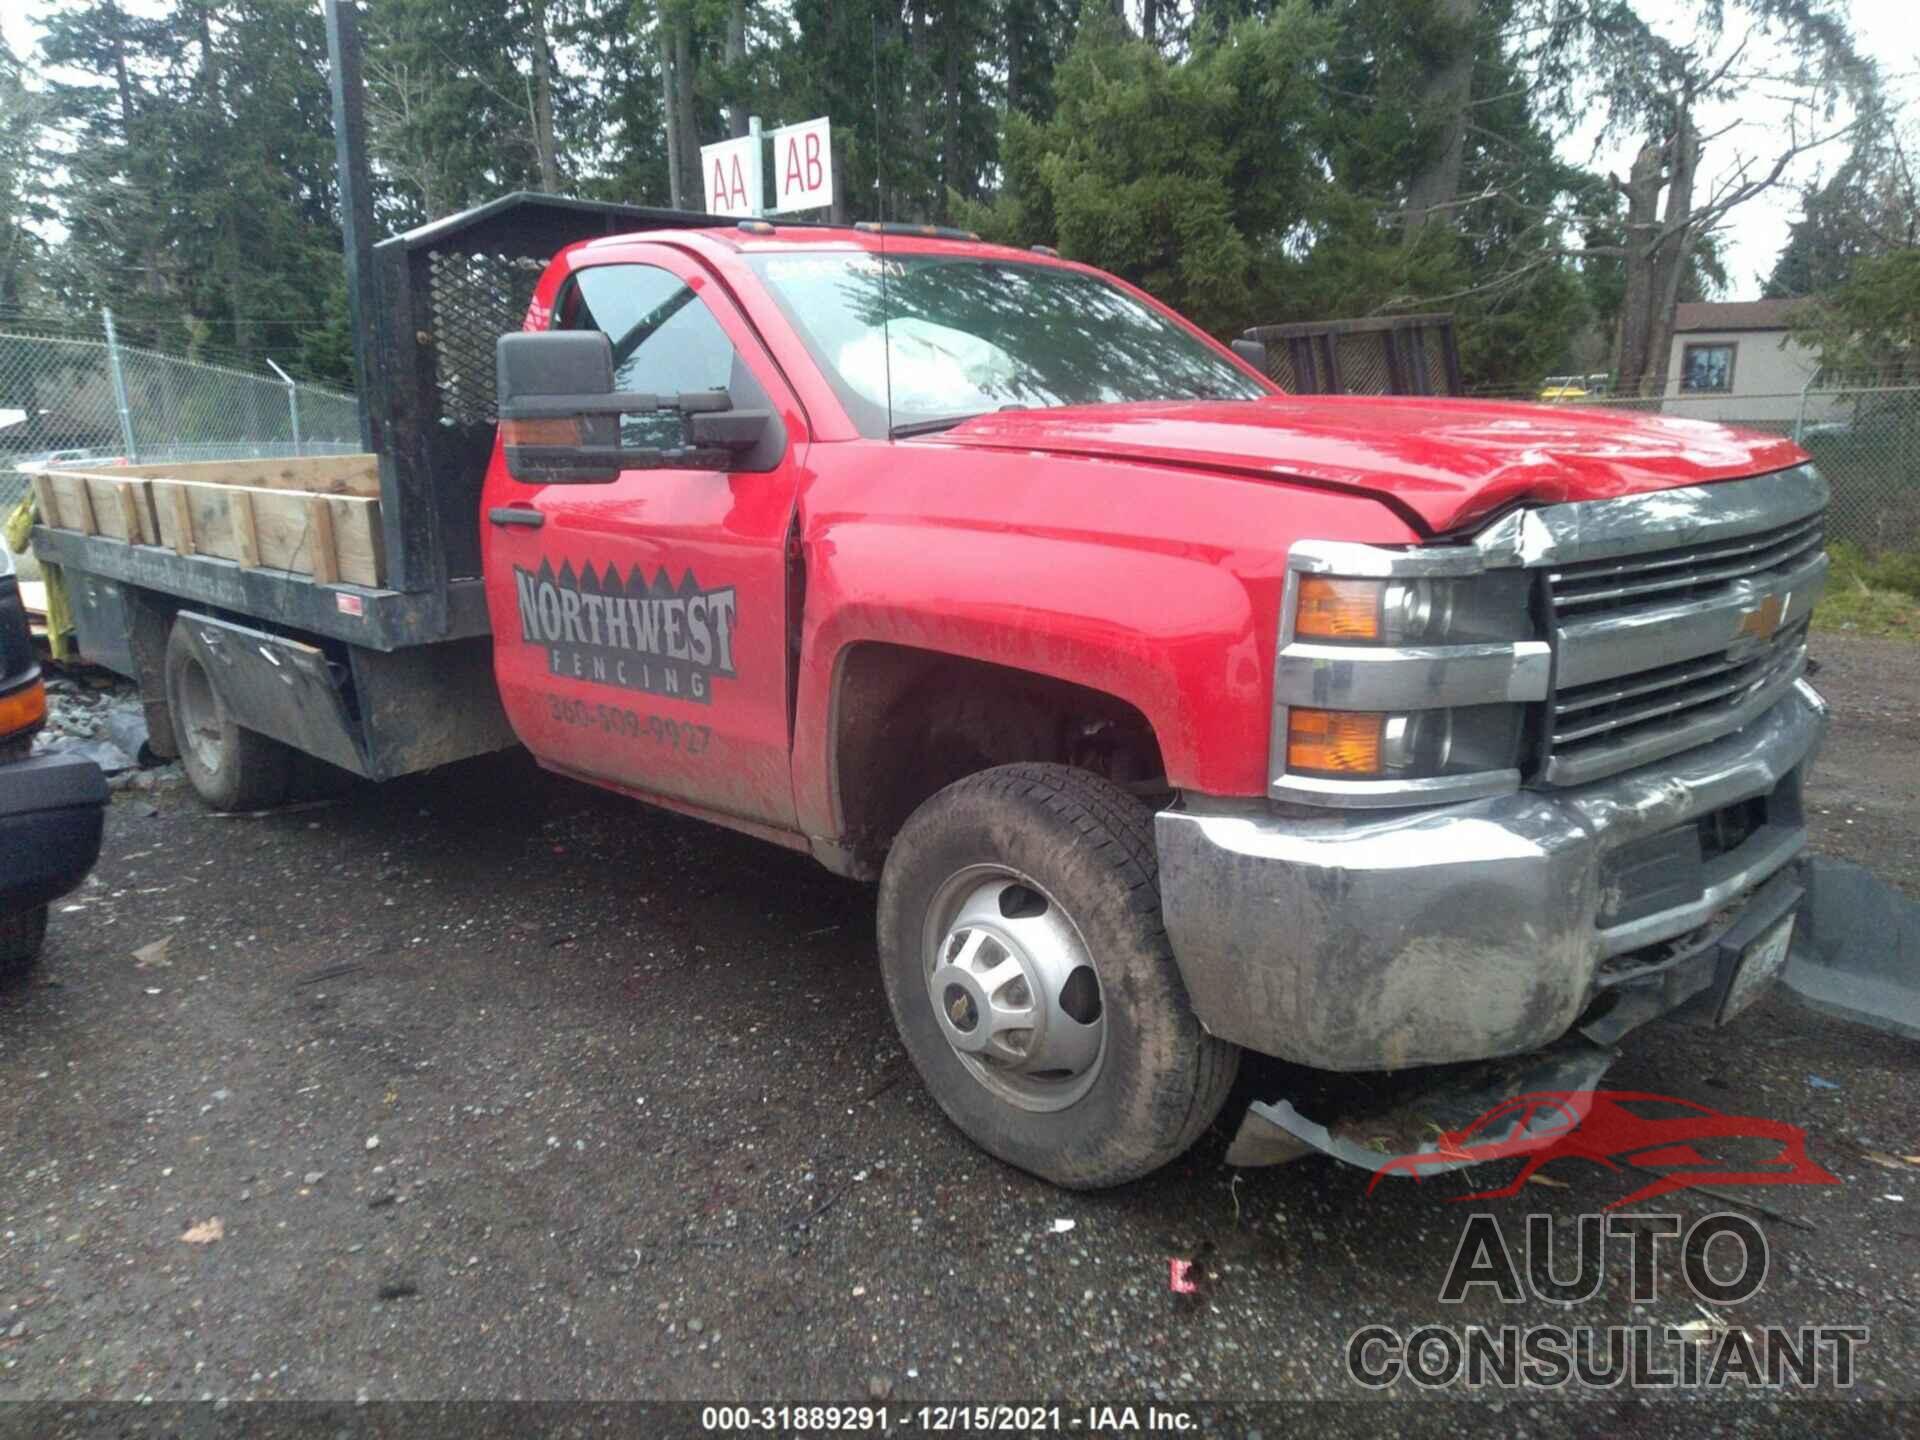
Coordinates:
(664, 639)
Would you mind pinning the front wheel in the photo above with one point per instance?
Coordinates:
(1031, 978)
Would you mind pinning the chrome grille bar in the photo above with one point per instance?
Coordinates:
(1664, 630)
(1613, 583)
(1578, 716)
(1585, 697)
(1680, 633)
(1609, 754)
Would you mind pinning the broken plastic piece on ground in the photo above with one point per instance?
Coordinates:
(111, 759)
(1275, 1133)
(1180, 1277)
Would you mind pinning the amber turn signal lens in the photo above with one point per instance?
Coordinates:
(23, 709)
(1345, 742)
(557, 430)
(1338, 609)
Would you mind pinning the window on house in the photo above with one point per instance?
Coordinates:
(1707, 369)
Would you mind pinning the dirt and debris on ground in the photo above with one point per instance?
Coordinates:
(97, 714)
(1864, 805)
(495, 1085)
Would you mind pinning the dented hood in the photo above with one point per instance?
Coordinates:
(1444, 463)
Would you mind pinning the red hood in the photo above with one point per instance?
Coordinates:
(1449, 462)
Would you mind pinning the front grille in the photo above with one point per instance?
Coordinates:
(1659, 650)
(1596, 587)
(1590, 718)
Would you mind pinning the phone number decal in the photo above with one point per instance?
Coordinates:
(618, 720)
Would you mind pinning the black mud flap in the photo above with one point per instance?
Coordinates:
(1384, 1136)
(279, 687)
(377, 715)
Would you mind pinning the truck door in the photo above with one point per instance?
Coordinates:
(639, 627)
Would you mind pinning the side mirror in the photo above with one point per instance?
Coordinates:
(560, 416)
(547, 387)
(1254, 352)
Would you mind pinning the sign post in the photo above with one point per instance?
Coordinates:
(735, 182)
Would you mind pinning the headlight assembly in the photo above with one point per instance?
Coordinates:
(1402, 688)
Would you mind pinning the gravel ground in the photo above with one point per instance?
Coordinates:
(496, 1086)
(1865, 800)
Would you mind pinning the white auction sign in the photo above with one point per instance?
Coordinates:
(731, 171)
(803, 165)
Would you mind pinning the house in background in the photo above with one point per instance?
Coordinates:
(1738, 361)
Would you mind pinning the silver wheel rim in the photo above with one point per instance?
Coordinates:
(200, 713)
(1014, 988)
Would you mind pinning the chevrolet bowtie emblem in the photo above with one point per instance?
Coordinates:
(1760, 622)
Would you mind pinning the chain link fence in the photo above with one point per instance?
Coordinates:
(1866, 441)
(69, 397)
(1863, 435)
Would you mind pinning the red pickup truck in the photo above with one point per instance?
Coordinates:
(1175, 716)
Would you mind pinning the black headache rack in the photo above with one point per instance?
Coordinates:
(444, 294)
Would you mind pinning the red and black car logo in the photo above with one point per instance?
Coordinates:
(1622, 1130)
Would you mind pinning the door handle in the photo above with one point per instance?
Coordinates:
(516, 515)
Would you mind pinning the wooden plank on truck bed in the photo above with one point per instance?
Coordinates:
(122, 509)
(75, 501)
(174, 504)
(102, 504)
(286, 535)
(46, 501)
(136, 514)
(326, 559)
(245, 537)
(313, 474)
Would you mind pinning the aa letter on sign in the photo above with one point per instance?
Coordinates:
(803, 165)
(732, 173)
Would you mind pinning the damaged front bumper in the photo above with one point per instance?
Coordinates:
(1493, 928)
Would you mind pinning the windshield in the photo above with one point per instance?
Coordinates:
(966, 336)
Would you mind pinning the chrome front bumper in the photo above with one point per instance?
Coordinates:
(1353, 942)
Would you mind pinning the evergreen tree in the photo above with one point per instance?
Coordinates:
(1869, 207)
(22, 185)
(199, 195)
(1184, 176)
(1250, 161)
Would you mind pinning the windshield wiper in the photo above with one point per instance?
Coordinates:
(930, 427)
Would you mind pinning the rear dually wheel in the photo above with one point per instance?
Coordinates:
(231, 767)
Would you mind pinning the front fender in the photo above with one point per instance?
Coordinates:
(1157, 585)
(1180, 640)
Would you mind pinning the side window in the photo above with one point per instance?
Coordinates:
(665, 341)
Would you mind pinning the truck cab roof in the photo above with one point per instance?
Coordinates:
(759, 237)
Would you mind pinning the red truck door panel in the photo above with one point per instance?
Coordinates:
(639, 627)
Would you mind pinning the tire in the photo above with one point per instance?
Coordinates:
(21, 936)
(1019, 865)
(231, 768)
